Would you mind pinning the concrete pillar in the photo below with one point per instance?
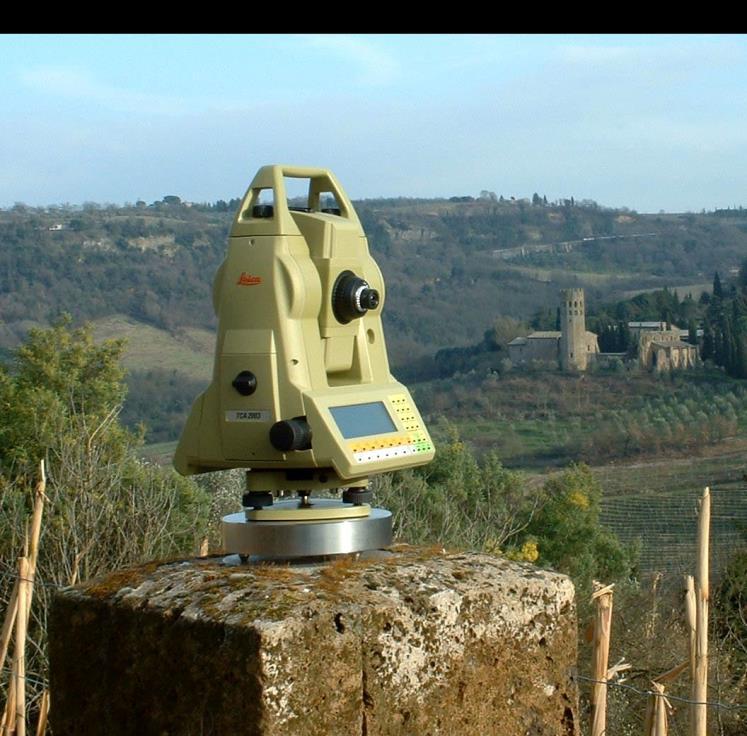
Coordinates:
(416, 641)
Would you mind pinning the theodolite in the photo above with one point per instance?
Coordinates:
(301, 394)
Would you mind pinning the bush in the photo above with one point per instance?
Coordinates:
(104, 508)
(456, 500)
(569, 536)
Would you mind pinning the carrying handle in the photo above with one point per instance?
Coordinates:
(272, 177)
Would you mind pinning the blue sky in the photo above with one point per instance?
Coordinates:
(648, 122)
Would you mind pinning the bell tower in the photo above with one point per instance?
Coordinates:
(573, 353)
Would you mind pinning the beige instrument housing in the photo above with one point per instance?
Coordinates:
(273, 298)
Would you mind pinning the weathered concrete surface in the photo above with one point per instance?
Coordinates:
(420, 642)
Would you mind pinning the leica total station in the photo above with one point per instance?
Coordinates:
(301, 394)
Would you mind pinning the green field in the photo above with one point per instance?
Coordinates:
(188, 350)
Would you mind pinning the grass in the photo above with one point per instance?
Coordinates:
(159, 452)
(189, 351)
(591, 278)
(535, 419)
(682, 291)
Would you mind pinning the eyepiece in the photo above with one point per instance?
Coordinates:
(352, 297)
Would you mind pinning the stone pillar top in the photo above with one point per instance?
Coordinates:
(413, 640)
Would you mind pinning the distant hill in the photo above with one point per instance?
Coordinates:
(451, 267)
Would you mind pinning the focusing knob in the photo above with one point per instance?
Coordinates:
(352, 297)
(245, 383)
(291, 434)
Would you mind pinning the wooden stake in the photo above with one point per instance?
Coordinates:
(602, 598)
(691, 620)
(10, 620)
(698, 710)
(20, 669)
(660, 724)
(10, 614)
(658, 706)
(204, 548)
(36, 520)
(7, 725)
(14, 718)
(41, 725)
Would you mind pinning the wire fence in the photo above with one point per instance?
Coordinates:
(665, 524)
(649, 693)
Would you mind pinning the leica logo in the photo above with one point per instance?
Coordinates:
(246, 279)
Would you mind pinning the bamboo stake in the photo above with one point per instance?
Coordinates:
(698, 710)
(11, 613)
(20, 669)
(691, 620)
(41, 725)
(7, 725)
(660, 724)
(602, 598)
(10, 620)
(36, 519)
(653, 716)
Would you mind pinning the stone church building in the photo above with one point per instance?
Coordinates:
(660, 346)
(663, 350)
(571, 348)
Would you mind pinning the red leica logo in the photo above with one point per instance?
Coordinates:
(246, 279)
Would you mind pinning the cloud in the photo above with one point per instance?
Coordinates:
(595, 54)
(79, 84)
(376, 66)
(668, 53)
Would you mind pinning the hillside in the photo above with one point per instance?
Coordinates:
(451, 267)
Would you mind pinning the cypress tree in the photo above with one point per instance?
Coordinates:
(625, 337)
(707, 350)
(729, 347)
(718, 346)
(718, 290)
(692, 333)
(740, 367)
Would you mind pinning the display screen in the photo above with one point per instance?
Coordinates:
(361, 420)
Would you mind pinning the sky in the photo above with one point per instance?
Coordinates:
(646, 122)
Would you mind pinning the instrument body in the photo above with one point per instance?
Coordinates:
(301, 393)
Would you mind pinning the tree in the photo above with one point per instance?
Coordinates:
(707, 350)
(105, 508)
(718, 290)
(457, 500)
(742, 278)
(504, 330)
(58, 373)
(569, 536)
(692, 333)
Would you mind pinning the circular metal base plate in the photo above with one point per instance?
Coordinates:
(292, 539)
(320, 509)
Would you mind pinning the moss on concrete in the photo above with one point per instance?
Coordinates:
(419, 641)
